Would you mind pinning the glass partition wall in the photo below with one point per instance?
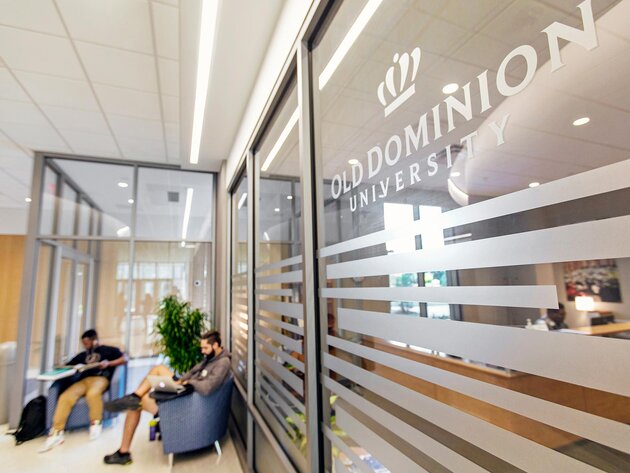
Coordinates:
(469, 171)
(113, 241)
(278, 291)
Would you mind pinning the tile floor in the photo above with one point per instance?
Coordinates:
(78, 454)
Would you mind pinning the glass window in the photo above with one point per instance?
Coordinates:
(110, 187)
(175, 205)
(68, 210)
(472, 171)
(279, 387)
(239, 296)
(49, 199)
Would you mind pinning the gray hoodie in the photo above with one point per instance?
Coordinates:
(208, 375)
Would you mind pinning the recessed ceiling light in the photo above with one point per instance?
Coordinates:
(289, 197)
(456, 174)
(353, 161)
(28, 199)
(130, 201)
(276, 209)
(123, 184)
(581, 121)
(450, 88)
(534, 184)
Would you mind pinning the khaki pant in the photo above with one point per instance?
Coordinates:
(92, 388)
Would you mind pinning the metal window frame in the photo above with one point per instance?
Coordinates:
(35, 239)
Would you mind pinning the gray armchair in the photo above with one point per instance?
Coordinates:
(194, 421)
(80, 415)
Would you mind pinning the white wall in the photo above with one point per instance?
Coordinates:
(289, 24)
(13, 221)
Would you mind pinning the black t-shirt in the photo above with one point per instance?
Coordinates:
(100, 353)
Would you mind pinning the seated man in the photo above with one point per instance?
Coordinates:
(90, 383)
(554, 318)
(204, 378)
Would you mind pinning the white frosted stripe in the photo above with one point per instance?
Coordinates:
(283, 308)
(281, 354)
(291, 276)
(339, 466)
(241, 274)
(598, 429)
(441, 454)
(514, 449)
(280, 264)
(291, 343)
(595, 362)
(284, 407)
(597, 181)
(341, 445)
(288, 377)
(504, 296)
(274, 408)
(385, 452)
(281, 389)
(598, 239)
(275, 292)
(283, 325)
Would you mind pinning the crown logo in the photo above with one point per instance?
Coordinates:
(399, 94)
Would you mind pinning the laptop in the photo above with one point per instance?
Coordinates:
(165, 384)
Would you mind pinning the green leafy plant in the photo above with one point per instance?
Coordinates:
(179, 328)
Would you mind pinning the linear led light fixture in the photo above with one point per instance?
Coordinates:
(189, 196)
(281, 139)
(242, 200)
(209, 13)
(347, 42)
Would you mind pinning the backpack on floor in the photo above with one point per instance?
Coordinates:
(32, 422)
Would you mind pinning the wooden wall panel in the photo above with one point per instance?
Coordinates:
(11, 266)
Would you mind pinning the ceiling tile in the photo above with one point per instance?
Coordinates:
(20, 112)
(126, 102)
(166, 27)
(9, 151)
(48, 90)
(91, 144)
(174, 3)
(169, 76)
(135, 127)
(171, 108)
(10, 89)
(120, 23)
(41, 137)
(20, 169)
(77, 120)
(35, 52)
(172, 131)
(117, 67)
(145, 150)
(38, 15)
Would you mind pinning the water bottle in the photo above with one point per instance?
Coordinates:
(152, 429)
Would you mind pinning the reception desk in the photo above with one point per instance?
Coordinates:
(589, 400)
(600, 330)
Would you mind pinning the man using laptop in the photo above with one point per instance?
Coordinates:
(91, 383)
(204, 378)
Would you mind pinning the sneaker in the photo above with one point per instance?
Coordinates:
(130, 402)
(55, 437)
(96, 428)
(118, 458)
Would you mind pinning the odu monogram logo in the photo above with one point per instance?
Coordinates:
(398, 94)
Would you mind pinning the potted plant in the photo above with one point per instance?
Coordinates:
(179, 328)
